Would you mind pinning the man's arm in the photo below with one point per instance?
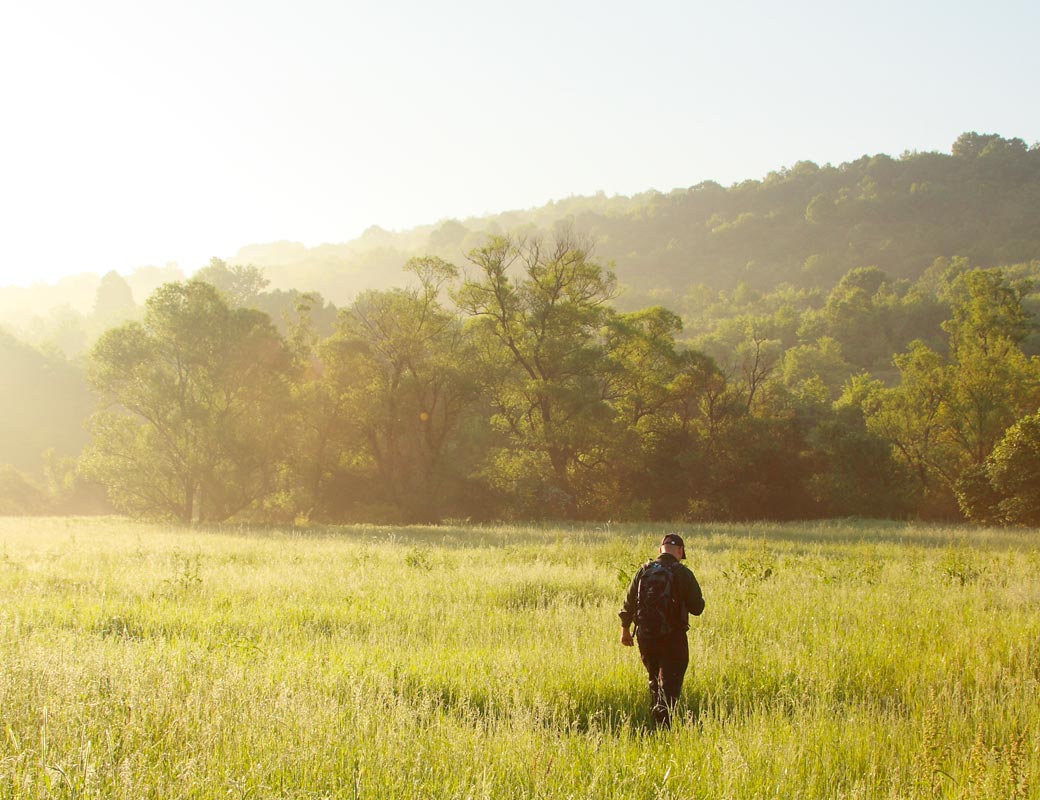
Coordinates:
(628, 610)
(694, 597)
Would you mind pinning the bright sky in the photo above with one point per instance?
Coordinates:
(137, 132)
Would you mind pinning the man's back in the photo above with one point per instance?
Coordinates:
(664, 653)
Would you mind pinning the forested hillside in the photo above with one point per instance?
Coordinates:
(803, 226)
(806, 225)
(518, 373)
(809, 225)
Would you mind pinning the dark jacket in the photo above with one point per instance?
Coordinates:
(687, 590)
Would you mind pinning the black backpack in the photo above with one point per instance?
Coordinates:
(656, 607)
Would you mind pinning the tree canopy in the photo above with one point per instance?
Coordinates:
(859, 340)
(195, 395)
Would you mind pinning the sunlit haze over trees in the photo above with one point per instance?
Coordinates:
(828, 341)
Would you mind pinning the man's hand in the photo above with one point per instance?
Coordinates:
(626, 637)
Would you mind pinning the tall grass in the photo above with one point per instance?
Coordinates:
(833, 660)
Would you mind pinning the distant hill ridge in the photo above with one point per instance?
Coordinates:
(806, 225)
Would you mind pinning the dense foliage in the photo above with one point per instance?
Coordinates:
(806, 225)
(514, 389)
(196, 405)
(830, 341)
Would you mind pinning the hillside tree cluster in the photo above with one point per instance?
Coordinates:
(513, 389)
(804, 226)
(852, 340)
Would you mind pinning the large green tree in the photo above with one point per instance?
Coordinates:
(668, 410)
(1013, 472)
(402, 371)
(538, 309)
(195, 400)
(948, 412)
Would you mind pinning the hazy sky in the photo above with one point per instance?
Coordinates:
(141, 132)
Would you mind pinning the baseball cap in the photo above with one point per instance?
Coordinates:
(674, 539)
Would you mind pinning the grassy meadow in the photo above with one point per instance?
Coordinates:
(834, 659)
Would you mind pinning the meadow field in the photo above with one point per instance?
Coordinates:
(834, 659)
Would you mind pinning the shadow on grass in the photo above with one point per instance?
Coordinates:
(617, 710)
(621, 711)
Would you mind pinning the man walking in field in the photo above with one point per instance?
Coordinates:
(660, 599)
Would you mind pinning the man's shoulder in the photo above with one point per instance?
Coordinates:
(683, 570)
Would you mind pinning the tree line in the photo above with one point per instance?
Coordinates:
(513, 388)
(795, 358)
(803, 226)
(807, 225)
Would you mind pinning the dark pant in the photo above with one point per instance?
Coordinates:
(665, 660)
